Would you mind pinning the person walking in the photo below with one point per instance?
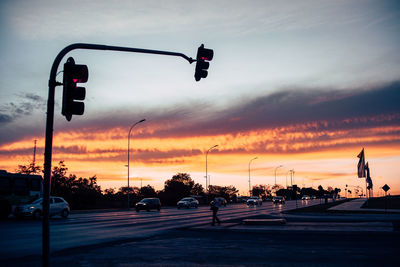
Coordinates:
(215, 207)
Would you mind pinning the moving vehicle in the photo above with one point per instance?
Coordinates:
(305, 197)
(188, 202)
(58, 206)
(278, 200)
(254, 201)
(16, 189)
(242, 199)
(148, 204)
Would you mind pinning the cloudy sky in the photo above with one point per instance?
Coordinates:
(303, 84)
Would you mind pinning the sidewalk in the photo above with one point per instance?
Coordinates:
(355, 205)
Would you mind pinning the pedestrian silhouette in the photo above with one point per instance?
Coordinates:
(214, 207)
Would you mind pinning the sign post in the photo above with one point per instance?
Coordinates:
(385, 188)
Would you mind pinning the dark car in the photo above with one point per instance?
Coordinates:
(148, 204)
(278, 200)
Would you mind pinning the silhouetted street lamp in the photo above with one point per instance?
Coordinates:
(291, 176)
(275, 173)
(206, 165)
(249, 174)
(129, 135)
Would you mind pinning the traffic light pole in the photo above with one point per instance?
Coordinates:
(50, 123)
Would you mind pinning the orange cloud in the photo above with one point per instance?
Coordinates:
(327, 128)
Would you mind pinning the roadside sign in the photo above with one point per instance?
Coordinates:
(385, 188)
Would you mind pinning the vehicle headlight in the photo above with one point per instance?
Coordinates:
(31, 208)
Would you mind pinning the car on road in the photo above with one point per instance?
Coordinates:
(58, 206)
(222, 201)
(305, 197)
(278, 200)
(188, 202)
(242, 199)
(148, 204)
(254, 201)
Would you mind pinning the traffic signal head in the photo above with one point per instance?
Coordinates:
(203, 55)
(73, 74)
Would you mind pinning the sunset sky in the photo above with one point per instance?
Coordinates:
(302, 84)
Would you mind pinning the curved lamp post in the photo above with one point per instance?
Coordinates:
(275, 172)
(129, 135)
(249, 174)
(206, 166)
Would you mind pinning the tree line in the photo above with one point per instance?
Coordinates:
(266, 191)
(85, 193)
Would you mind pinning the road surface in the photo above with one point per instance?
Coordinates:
(21, 238)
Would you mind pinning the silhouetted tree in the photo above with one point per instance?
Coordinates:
(80, 193)
(179, 186)
(30, 169)
(197, 190)
(276, 187)
(227, 192)
(61, 185)
(262, 191)
(309, 191)
(147, 191)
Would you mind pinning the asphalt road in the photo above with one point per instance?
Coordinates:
(21, 238)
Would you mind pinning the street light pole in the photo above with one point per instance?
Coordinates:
(129, 135)
(291, 174)
(206, 166)
(249, 175)
(275, 172)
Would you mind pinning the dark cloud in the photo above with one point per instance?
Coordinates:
(289, 110)
(39, 150)
(327, 109)
(4, 118)
(70, 149)
(145, 155)
(16, 121)
(24, 106)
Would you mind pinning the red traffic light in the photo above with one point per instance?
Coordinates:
(203, 55)
(73, 74)
(80, 74)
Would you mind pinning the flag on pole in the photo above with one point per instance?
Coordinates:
(361, 164)
(368, 179)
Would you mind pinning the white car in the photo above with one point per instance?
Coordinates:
(58, 206)
(188, 202)
(254, 201)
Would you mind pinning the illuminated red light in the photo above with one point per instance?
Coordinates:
(75, 80)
